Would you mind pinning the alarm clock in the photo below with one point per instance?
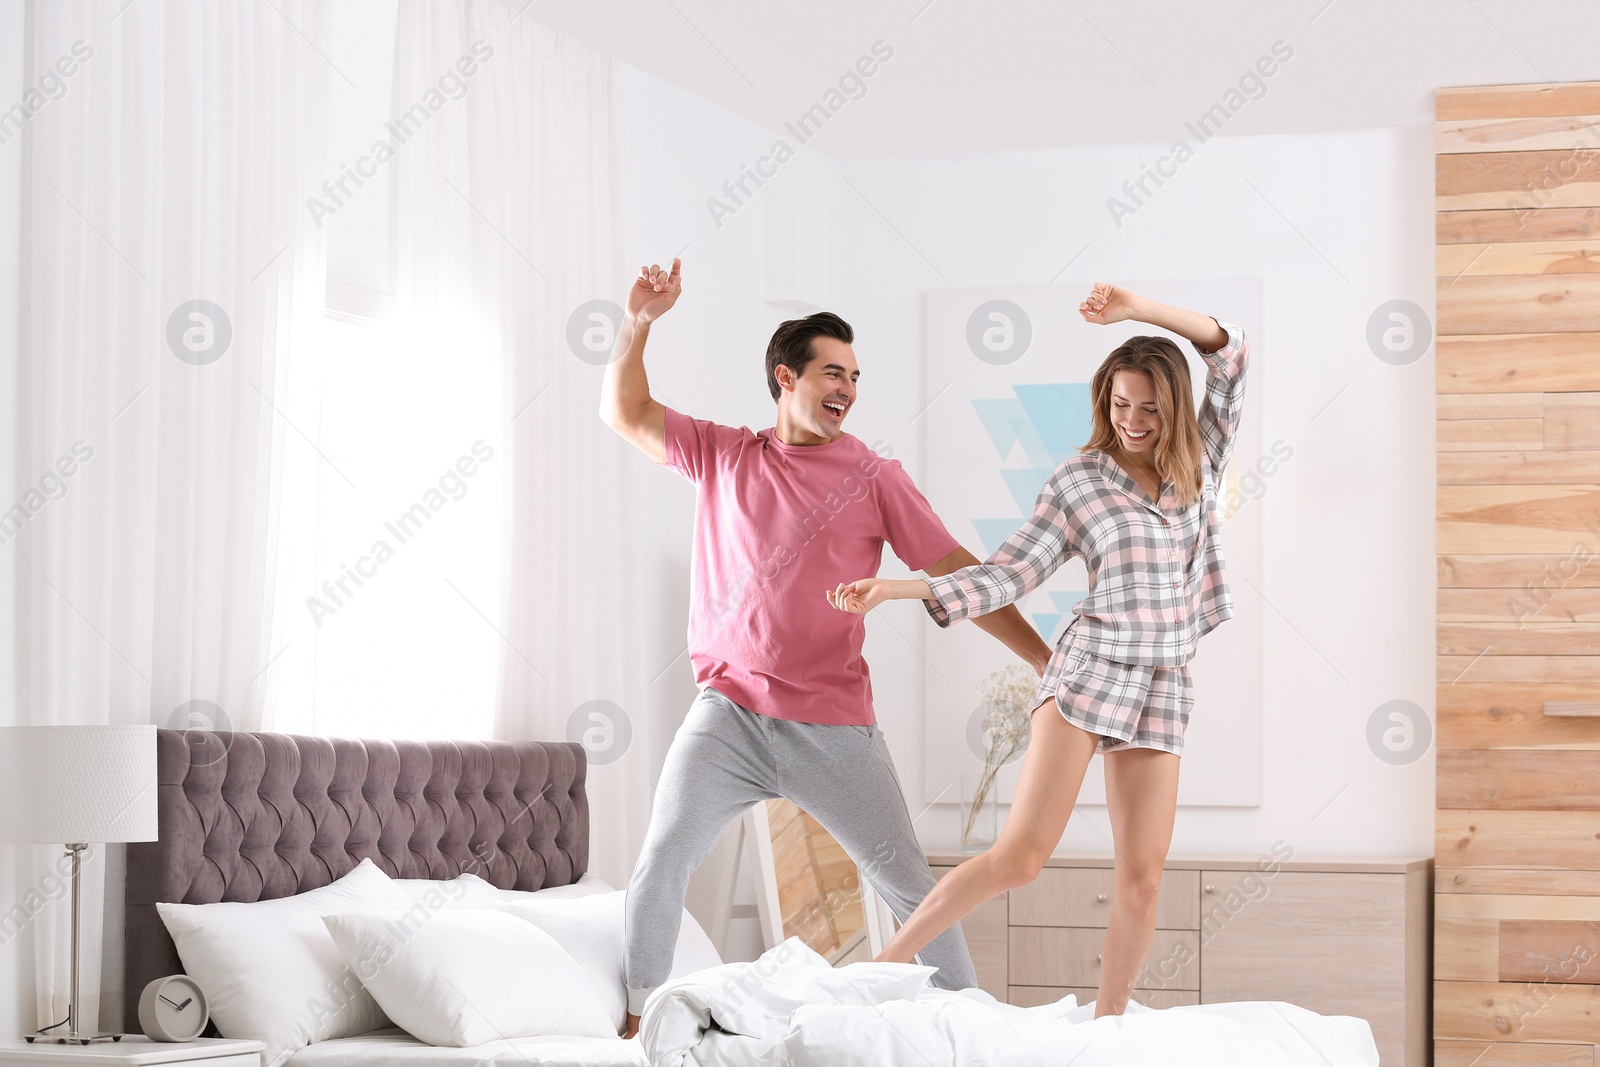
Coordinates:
(173, 1009)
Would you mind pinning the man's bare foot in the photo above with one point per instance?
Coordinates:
(631, 1028)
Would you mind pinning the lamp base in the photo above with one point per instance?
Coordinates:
(52, 1038)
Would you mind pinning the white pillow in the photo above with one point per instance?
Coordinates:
(592, 932)
(466, 977)
(588, 886)
(437, 894)
(468, 890)
(269, 969)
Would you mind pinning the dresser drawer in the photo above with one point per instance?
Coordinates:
(1031, 996)
(1070, 956)
(1082, 896)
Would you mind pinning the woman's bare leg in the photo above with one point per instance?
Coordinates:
(1142, 796)
(1052, 771)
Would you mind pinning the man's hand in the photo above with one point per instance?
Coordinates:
(654, 292)
(625, 401)
(1106, 304)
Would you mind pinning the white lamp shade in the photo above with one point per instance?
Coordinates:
(77, 784)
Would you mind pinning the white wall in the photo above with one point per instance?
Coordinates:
(16, 958)
(1334, 224)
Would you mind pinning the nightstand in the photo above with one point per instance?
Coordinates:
(135, 1050)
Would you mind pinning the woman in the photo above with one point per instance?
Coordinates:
(1139, 505)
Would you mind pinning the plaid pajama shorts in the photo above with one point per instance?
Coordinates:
(1130, 705)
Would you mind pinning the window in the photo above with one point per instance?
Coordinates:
(392, 507)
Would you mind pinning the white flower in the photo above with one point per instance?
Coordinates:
(1010, 694)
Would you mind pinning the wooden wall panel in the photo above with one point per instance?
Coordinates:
(1520, 638)
(1547, 572)
(1518, 779)
(1572, 421)
(1517, 519)
(1517, 852)
(1487, 667)
(1490, 435)
(1490, 180)
(1498, 880)
(1511, 1011)
(1539, 950)
(1526, 362)
(1534, 257)
(1509, 225)
(1548, 599)
(1521, 303)
(1476, 716)
(1567, 133)
(1492, 467)
(1517, 101)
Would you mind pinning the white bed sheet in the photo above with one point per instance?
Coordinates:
(396, 1048)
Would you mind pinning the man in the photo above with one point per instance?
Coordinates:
(785, 708)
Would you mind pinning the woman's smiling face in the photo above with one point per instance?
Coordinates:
(1134, 411)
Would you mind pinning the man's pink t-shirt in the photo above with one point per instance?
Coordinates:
(776, 527)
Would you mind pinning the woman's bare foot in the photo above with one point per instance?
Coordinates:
(631, 1028)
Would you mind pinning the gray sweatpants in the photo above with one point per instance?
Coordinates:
(725, 759)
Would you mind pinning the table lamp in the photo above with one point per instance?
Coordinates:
(77, 786)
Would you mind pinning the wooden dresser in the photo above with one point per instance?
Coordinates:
(1336, 936)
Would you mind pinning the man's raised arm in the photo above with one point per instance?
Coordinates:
(1006, 625)
(625, 401)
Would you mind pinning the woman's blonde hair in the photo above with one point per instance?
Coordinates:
(1178, 448)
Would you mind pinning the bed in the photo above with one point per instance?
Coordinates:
(248, 817)
(257, 816)
(251, 818)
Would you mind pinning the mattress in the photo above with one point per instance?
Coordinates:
(396, 1048)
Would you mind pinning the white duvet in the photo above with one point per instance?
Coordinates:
(791, 1008)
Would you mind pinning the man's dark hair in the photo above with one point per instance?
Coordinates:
(791, 344)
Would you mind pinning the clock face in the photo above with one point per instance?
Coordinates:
(173, 1009)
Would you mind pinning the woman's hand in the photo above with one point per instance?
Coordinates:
(859, 597)
(862, 596)
(1107, 304)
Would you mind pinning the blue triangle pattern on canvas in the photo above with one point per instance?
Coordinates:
(1025, 483)
(1049, 422)
(993, 532)
(1067, 601)
(1046, 624)
(1059, 415)
(1002, 419)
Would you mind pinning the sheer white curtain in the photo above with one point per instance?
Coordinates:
(168, 260)
(508, 202)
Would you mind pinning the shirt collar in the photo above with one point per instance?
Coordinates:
(1123, 482)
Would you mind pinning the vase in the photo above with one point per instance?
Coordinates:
(978, 812)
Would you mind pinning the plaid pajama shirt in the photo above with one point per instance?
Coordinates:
(1156, 578)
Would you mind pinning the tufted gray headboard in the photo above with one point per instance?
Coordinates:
(247, 816)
